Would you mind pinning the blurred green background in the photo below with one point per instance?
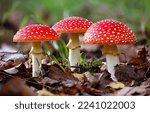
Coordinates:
(17, 13)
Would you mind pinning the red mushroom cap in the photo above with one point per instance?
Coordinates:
(34, 33)
(109, 32)
(72, 25)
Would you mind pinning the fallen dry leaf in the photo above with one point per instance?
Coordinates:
(9, 60)
(16, 87)
(56, 73)
(35, 82)
(140, 59)
(116, 85)
(92, 91)
(78, 76)
(70, 87)
(11, 70)
(127, 73)
(90, 78)
(132, 91)
(146, 83)
(44, 92)
(127, 52)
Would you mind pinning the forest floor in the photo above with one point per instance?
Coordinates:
(133, 75)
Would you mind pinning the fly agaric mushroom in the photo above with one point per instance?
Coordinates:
(74, 26)
(35, 34)
(109, 33)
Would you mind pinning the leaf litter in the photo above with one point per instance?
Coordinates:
(16, 78)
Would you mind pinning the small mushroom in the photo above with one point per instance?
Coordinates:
(36, 34)
(109, 33)
(74, 26)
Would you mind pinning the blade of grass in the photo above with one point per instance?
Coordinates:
(63, 50)
(52, 57)
(23, 22)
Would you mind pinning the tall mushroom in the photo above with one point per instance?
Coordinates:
(36, 34)
(74, 26)
(109, 33)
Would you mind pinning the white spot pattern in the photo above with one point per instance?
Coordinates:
(110, 32)
(72, 24)
(35, 32)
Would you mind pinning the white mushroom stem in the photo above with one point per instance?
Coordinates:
(74, 50)
(74, 57)
(112, 59)
(36, 54)
(36, 63)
